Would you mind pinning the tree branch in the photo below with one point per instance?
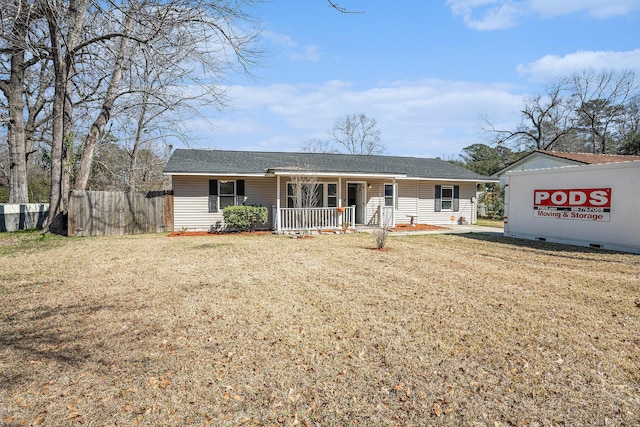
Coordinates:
(340, 8)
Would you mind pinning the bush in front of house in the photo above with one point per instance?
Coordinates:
(380, 236)
(245, 218)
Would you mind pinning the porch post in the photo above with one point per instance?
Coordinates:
(278, 224)
(395, 202)
(340, 218)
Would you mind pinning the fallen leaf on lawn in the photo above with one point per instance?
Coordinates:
(164, 383)
(39, 420)
(74, 415)
(437, 410)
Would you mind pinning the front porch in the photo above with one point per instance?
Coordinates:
(326, 219)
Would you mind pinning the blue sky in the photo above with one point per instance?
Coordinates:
(427, 71)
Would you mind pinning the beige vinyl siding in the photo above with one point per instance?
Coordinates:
(415, 197)
(426, 211)
(261, 192)
(426, 202)
(191, 200)
(407, 201)
(191, 204)
(375, 199)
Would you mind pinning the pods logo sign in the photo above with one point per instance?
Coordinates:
(589, 204)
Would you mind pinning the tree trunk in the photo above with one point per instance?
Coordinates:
(63, 58)
(133, 164)
(97, 128)
(56, 206)
(18, 190)
(16, 138)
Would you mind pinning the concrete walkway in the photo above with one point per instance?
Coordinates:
(453, 229)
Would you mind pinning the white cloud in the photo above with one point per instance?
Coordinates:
(487, 14)
(551, 67)
(419, 118)
(280, 39)
(500, 14)
(311, 53)
(291, 49)
(596, 8)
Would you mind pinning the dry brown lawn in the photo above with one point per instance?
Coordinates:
(231, 330)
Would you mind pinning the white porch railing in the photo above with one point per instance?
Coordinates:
(386, 216)
(298, 219)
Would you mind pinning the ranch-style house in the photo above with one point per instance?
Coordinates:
(350, 190)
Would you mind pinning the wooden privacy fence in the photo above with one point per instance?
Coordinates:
(108, 213)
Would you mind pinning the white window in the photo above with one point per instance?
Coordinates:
(223, 193)
(447, 198)
(227, 194)
(291, 195)
(332, 195)
(388, 195)
(305, 195)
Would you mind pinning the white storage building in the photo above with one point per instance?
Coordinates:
(592, 205)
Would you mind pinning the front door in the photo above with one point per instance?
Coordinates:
(356, 197)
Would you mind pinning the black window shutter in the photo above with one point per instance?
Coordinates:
(438, 198)
(213, 187)
(240, 187)
(456, 198)
(213, 195)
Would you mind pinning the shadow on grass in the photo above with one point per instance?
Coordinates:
(564, 250)
(53, 336)
(35, 335)
(19, 242)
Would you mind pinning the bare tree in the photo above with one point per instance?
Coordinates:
(4, 173)
(339, 8)
(154, 103)
(178, 38)
(589, 111)
(20, 39)
(111, 169)
(319, 146)
(357, 134)
(629, 128)
(545, 122)
(304, 191)
(65, 25)
(205, 29)
(76, 54)
(601, 99)
(108, 100)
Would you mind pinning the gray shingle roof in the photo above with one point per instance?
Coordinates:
(578, 158)
(189, 161)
